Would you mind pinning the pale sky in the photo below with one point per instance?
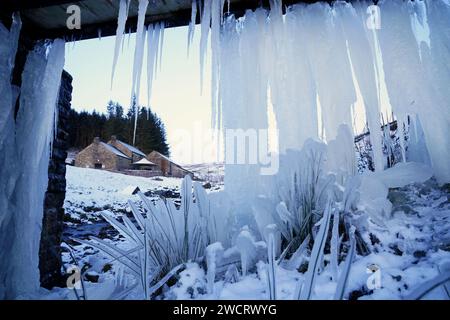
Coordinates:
(176, 91)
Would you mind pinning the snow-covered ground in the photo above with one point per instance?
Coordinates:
(412, 247)
(208, 171)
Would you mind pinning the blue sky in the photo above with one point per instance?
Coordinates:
(176, 91)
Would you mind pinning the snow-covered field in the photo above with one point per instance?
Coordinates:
(412, 247)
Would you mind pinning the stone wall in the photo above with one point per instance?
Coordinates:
(97, 153)
(135, 157)
(50, 263)
(167, 167)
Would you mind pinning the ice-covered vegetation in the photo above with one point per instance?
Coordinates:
(163, 237)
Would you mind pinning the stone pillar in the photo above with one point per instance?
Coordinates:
(50, 263)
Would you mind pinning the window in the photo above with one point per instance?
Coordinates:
(98, 166)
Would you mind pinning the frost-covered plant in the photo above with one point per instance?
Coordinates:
(343, 277)
(245, 244)
(272, 265)
(429, 286)
(301, 191)
(305, 289)
(316, 258)
(163, 237)
(214, 253)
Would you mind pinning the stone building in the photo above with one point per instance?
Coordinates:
(132, 152)
(167, 166)
(100, 155)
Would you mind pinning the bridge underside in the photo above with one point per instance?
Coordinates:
(46, 19)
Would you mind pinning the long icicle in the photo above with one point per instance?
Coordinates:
(138, 58)
(191, 30)
(121, 21)
(204, 27)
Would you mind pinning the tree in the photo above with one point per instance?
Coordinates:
(150, 131)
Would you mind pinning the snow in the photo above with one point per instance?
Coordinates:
(114, 150)
(144, 161)
(99, 188)
(403, 174)
(132, 149)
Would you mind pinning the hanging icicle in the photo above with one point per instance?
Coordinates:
(153, 42)
(138, 60)
(204, 27)
(191, 29)
(121, 21)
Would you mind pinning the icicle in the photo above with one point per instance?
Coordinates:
(163, 26)
(138, 59)
(191, 30)
(99, 32)
(129, 37)
(204, 27)
(33, 138)
(216, 22)
(155, 47)
(363, 73)
(419, 24)
(121, 21)
(153, 37)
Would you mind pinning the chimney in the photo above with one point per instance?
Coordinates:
(96, 140)
(113, 139)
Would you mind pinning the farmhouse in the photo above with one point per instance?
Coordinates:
(132, 152)
(100, 155)
(117, 155)
(167, 166)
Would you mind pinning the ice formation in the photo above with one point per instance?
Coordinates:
(154, 36)
(309, 63)
(204, 27)
(138, 60)
(121, 21)
(191, 29)
(26, 146)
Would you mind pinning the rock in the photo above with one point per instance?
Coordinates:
(165, 193)
(397, 197)
(397, 278)
(419, 254)
(92, 277)
(355, 294)
(207, 185)
(374, 239)
(107, 267)
(396, 249)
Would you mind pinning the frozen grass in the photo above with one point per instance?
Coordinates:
(429, 286)
(301, 193)
(163, 237)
